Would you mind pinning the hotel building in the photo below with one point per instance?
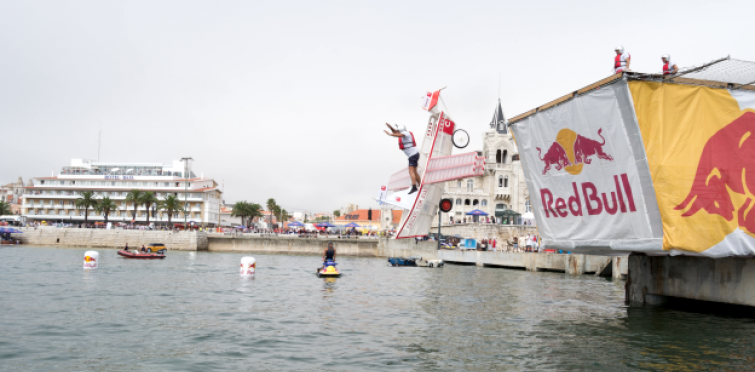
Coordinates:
(53, 198)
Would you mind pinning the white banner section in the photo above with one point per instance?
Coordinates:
(587, 175)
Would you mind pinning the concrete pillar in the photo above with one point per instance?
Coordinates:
(575, 264)
(657, 279)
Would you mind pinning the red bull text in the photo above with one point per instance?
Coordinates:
(595, 202)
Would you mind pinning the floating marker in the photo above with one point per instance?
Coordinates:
(90, 259)
(248, 265)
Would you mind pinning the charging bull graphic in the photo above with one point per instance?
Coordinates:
(571, 151)
(726, 167)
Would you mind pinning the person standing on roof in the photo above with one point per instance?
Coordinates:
(621, 62)
(669, 68)
(408, 145)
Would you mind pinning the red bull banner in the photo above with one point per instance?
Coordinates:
(587, 175)
(700, 145)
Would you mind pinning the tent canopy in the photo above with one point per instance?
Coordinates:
(476, 212)
(507, 212)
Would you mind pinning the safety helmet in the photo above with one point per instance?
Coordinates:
(400, 128)
(620, 48)
(666, 57)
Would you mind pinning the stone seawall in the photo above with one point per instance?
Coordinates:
(291, 244)
(100, 238)
(486, 231)
(315, 246)
(567, 263)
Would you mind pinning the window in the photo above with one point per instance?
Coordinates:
(498, 156)
(458, 184)
(503, 158)
(458, 201)
(484, 203)
(527, 207)
(466, 202)
(475, 202)
(500, 207)
(470, 185)
(112, 183)
(167, 184)
(500, 181)
(506, 181)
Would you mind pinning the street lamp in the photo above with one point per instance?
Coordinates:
(186, 184)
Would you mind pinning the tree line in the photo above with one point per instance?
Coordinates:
(171, 204)
(249, 211)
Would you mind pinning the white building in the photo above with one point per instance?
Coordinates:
(502, 189)
(53, 198)
(12, 193)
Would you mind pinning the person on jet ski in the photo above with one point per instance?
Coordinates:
(329, 254)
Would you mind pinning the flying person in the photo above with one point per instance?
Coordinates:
(621, 61)
(408, 145)
(669, 68)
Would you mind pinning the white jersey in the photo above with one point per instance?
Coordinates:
(407, 138)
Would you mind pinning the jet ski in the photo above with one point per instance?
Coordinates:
(328, 270)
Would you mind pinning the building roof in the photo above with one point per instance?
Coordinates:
(110, 188)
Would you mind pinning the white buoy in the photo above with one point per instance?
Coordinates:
(91, 259)
(248, 265)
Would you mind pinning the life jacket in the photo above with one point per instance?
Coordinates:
(330, 253)
(406, 144)
(620, 62)
(668, 68)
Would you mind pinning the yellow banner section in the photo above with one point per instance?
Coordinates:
(698, 145)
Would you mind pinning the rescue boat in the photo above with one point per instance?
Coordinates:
(139, 255)
(328, 270)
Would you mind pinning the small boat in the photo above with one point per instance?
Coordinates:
(328, 270)
(414, 261)
(398, 261)
(139, 255)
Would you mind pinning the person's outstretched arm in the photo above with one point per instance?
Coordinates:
(394, 133)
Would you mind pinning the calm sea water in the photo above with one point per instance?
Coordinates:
(192, 312)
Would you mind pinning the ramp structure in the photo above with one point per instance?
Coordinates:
(663, 165)
(436, 165)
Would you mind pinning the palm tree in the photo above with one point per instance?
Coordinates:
(104, 206)
(86, 201)
(240, 209)
(253, 211)
(336, 213)
(134, 196)
(171, 204)
(148, 199)
(271, 207)
(5, 208)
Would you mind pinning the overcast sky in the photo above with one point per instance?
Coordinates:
(288, 99)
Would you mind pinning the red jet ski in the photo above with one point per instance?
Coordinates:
(143, 256)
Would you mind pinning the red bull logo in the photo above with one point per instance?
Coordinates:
(726, 172)
(571, 151)
(89, 259)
